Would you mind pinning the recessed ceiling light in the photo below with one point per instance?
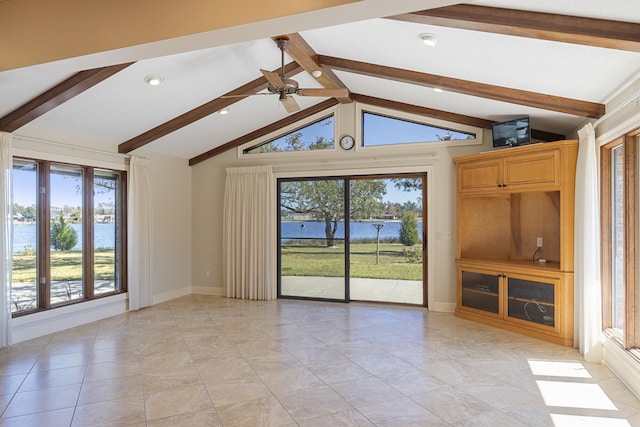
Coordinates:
(224, 111)
(154, 79)
(429, 39)
(437, 89)
(316, 73)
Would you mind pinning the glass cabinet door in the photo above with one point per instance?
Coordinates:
(480, 291)
(531, 301)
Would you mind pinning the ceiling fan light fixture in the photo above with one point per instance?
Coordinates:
(429, 39)
(154, 79)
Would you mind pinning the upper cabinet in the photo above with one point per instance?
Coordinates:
(534, 167)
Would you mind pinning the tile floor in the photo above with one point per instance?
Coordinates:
(212, 361)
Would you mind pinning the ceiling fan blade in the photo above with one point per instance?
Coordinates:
(289, 103)
(273, 78)
(246, 95)
(331, 93)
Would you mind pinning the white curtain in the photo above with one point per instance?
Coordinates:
(6, 251)
(587, 288)
(139, 225)
(248, 235)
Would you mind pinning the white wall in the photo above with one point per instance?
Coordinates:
(208, 196)
(171, 264)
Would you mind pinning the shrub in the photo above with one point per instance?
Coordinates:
(412, 255)
(409, 230)
(63, 237)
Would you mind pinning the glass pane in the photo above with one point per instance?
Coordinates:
(383, 130)
(532, 301)
(618, 243)
(105, 224)
(24, 286)
(480, 291)
(312, 239)
(316, 136)
(385, 246)
(66, 234)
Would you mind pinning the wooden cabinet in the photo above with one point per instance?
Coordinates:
(506, 200)
(528, 170)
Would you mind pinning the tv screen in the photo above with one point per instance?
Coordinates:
(512, 133)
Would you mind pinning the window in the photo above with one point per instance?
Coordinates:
(619, 218)
(318, 135)
(378, 129)
(68, 234)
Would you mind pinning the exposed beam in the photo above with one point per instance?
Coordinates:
(483, 90)
(445, 115)
(202, 111)
(300, 51)
(57, 95)
(300, 115)
(546, 26)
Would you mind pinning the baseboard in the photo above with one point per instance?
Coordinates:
(207, 290)
(168, 296)
(622, 364)
(58, 319)
(443, 307)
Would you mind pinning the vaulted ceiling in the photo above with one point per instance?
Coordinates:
(557, 63)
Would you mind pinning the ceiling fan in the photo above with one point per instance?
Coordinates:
(280, 85)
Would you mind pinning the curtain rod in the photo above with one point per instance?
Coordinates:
(615, 110)
(73, 147)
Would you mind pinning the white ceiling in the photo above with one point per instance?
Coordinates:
(124, 106)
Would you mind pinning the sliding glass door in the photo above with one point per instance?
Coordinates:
(376, 254)
(313, 250)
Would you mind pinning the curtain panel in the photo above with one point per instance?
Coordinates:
(6, 166)
(248, 233)
(139, 236)
(587, 286)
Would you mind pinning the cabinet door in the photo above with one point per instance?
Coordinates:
(480, 175)
(532, 170)
(532, 300)
(479, 291)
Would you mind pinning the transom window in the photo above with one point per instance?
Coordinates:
(68, 234)
(318, 135)
(379, 129)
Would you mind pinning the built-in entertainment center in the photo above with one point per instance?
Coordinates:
(515, 220)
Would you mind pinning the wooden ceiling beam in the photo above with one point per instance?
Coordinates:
(300, 115)
(546, 26)
(202, 111)
(301, 52)
(445, 115)
(57, 95)
(466, 87)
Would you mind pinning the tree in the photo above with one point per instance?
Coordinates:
(63, 236)
(324, 199)
(409, 230)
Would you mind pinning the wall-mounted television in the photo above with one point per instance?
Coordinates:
(512, 133)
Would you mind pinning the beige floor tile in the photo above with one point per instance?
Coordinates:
(260, 412)
(176, 401)
(313, 403)
(111, 389)
(30, 402)
(121, 412)
(59, 417)
(200, 419)
(212, 361)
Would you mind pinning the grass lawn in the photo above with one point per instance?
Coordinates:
(65, 265)
(329, 262)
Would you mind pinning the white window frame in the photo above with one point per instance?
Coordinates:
(416, 118)
(333, 111)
